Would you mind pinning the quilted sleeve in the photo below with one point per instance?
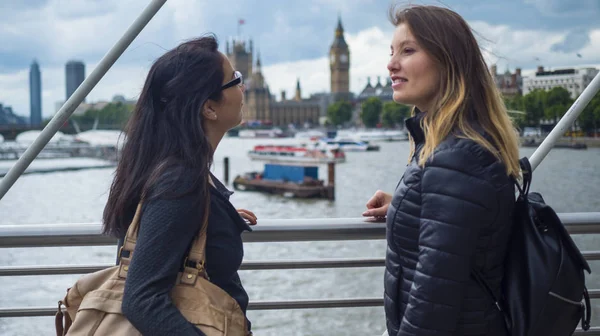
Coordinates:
(457, 201)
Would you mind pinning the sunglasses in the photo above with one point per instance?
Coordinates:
(238, 79)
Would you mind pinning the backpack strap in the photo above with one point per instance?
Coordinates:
(476, 274)
(527, 173)
(585, 319)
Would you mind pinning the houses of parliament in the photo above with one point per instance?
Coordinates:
(261, 105)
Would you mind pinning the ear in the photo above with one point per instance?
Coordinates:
(209, 111)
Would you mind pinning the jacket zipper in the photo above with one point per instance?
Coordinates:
(565, 299)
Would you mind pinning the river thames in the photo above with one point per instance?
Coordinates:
(569, 180)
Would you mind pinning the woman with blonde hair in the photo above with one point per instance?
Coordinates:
(451, 211)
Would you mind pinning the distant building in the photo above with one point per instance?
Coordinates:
(75, 74)
(297, 111)
(241, 56)
(8, 117)
(573, 80)
(35, 94)
(384, 92)
(262, 106)
(509, 84)
(339, 62)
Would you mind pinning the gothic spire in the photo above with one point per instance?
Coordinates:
(340, 28)
(258, 63)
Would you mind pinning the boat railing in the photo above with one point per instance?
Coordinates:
(283, 230)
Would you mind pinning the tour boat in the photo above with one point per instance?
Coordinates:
(293, 180)
(297, 154)
(347, 145)
(261, 133)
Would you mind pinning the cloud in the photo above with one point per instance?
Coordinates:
(572, 42)
(54, 34)
(571, 8)
(527, 47)
(293, 38)
(369, 52)
(8, 8)
(66, 9)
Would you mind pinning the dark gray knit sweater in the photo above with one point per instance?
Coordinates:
(167, 228)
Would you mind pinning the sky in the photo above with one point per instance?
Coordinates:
(293, 38)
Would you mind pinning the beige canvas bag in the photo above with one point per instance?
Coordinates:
(93, 304)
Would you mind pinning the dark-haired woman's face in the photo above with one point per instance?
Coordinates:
(415, 77)
(229, 109)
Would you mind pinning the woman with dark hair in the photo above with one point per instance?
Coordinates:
(191, 97)
(451, 212)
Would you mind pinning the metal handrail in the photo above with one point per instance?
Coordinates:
(256, 305)
(268, 230)
(287, 230)
(246, 265)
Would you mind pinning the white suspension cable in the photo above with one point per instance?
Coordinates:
(565, 122)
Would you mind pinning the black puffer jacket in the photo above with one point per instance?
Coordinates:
(444, 219)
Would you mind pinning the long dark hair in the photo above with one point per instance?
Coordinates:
(166, 130)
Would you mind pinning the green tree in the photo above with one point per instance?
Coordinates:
(339, 112)
(394, 114)
(557, 102)
(371, 111)
(589, 120)
(514, 106)
(111, 116)
(387, 117)
(533, 105)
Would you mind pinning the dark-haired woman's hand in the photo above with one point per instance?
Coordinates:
(247, 215)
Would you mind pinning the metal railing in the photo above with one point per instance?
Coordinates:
(284, 230)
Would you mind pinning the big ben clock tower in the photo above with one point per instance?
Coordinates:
(339, 61)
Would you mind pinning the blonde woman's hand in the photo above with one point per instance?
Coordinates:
(247, 215)
(378, 205)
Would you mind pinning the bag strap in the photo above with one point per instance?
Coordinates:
(585, 318)
(497, 301)
(196, 254)
(131, 235)
(484, 284)
(527, 173)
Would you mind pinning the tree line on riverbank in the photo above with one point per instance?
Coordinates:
(530, 110)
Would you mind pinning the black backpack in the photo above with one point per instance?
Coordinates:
(544, 284)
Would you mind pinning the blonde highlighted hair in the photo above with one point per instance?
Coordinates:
(467, 93)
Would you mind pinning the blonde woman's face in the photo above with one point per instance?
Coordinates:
(415, 76)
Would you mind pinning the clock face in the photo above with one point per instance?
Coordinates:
(344, 58)
(332, 58)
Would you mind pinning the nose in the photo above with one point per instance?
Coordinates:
(243, 87)
(393, 65)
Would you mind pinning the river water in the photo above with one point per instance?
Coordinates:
(569, 180)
